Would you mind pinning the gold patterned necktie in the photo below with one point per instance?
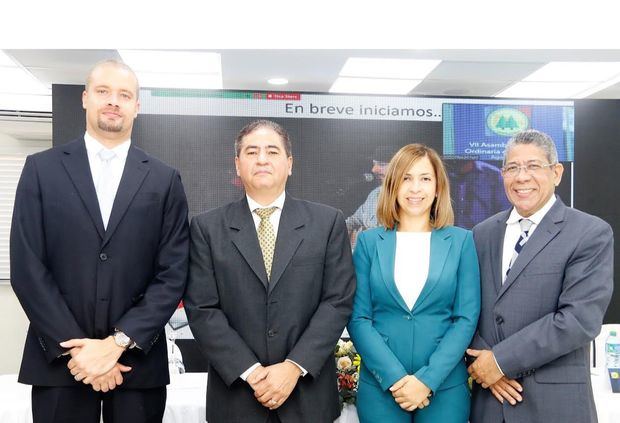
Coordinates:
(266, 236)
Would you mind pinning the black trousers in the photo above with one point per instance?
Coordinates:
(273, 417)
(81, 404)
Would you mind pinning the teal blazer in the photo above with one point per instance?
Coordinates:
(428, 341)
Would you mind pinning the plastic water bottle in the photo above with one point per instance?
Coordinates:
(612, 350)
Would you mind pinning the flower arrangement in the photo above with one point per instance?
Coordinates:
(347, 370)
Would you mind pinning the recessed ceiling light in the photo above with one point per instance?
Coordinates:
(26, 102)
(179, 80)
(575, 72)
(373, 86)
(172, 61)
(277, 81)
(5, 60)
(544, 89)
(388, 68)
(565, 80)
(598, 87)
(175, 69)
(16, 80)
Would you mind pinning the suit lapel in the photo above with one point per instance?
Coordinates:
(386, 250)
(133, 176)
(441, 240)
(544, 233)
(243, 235)
(75, 161)
(496, 245)
(290, 235)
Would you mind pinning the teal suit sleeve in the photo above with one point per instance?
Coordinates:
(465, 312)
(377, 357)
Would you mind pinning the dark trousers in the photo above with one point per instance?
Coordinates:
(81, 404)
(273, 417)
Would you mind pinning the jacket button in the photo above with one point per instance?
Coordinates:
(271, 333)
(499, 320)
(103, 256)
(407, 317)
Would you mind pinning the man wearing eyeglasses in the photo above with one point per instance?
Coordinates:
(546, 277)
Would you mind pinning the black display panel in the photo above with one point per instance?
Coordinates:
(338, 139)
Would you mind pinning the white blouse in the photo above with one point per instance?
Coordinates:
(413, 254)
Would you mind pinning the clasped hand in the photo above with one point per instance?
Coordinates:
(484, 371)
(410, 393)
(95, 362)
(273, 384)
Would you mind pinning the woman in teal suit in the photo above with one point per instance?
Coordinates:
(417, 300)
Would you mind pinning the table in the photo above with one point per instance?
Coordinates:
(607, 402)
(15, 401)
(187, 395)
(185, 403)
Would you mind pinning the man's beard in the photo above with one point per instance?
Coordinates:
(110, 126)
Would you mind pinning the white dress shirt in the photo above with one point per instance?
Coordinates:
(117, 165)
(278, 203)
(513, 232)
(413, 254)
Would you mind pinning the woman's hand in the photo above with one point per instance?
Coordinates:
(410, 393)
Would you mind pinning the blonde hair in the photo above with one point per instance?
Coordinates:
(387, 206)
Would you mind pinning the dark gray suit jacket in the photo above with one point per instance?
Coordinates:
(239, 318)
(75, 279)
(540, 322)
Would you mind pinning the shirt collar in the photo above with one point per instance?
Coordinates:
(93, 147)
(278, 202)
(536, 218)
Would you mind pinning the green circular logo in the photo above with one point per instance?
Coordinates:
(507, 121)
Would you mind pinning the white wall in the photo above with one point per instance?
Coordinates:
(13, 327)
(13, 321)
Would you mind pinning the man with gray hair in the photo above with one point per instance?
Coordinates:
(546, 277)
(99, 254)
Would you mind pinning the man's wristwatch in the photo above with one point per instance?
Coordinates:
(121, 339)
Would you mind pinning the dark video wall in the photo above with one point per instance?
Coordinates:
(334, 159)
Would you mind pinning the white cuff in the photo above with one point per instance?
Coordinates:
(497, 364)
(303, 371)
(248, 372)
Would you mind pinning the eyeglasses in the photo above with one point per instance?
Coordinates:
(531, 168)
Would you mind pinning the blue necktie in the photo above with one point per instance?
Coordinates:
(525, 225)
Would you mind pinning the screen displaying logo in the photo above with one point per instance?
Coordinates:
(479, 131)
(507, 121)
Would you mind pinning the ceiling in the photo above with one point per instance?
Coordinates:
(475, 73)
(470, 73)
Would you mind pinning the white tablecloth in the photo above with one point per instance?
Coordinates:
(185, 403)
(187, 394)
(607, 402)
(14, 401)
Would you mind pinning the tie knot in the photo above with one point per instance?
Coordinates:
(106, 155)
(265, 212)
(525, 224)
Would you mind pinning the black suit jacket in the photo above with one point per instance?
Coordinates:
(240, 318)
(75, 280)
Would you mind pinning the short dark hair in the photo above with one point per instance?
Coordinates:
(263, 123)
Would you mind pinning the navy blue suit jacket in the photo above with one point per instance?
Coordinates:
(76, 280)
